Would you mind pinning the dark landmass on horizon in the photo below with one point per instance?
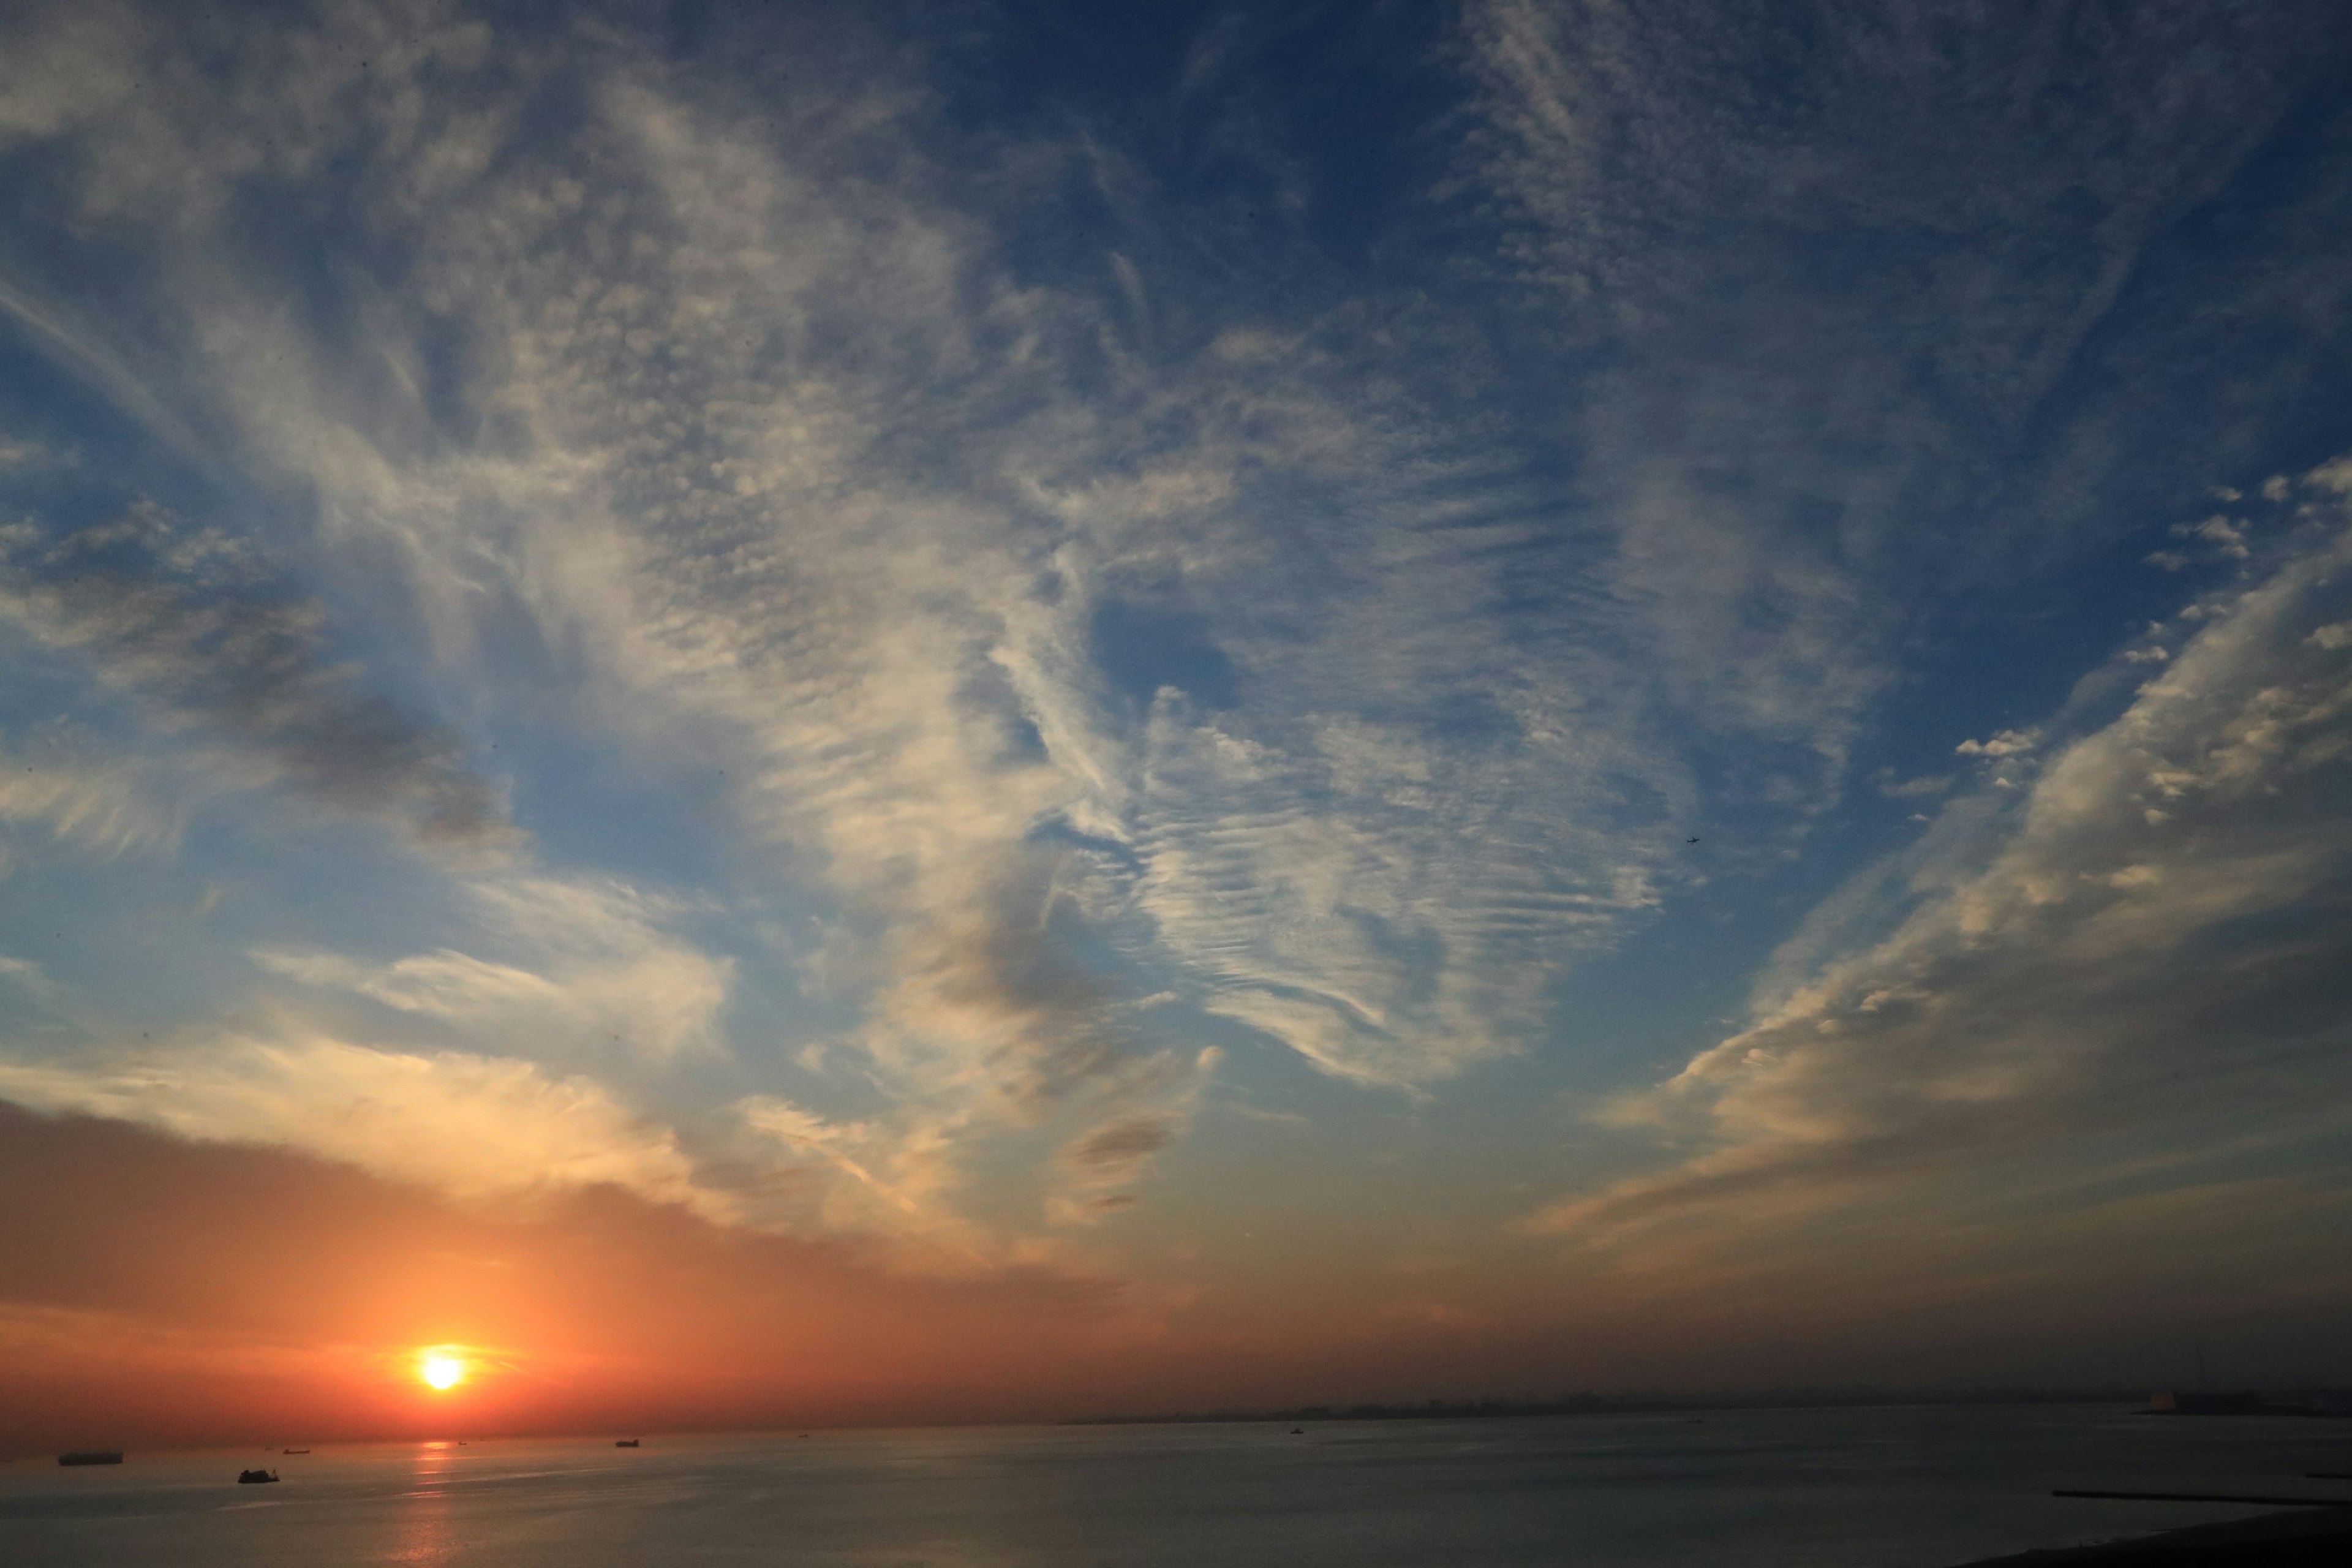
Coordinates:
(2129, 1401)
(1640, 1403)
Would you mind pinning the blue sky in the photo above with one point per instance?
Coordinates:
(1554, 660)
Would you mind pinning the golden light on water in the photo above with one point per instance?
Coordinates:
(441, 1370)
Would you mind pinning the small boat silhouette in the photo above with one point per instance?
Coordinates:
(1298, 1431)
(251, 1478)
(626, 1443)
(293, 1450)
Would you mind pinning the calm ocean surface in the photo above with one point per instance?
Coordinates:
(1895, 1487)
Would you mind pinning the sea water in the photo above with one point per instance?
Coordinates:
(1884, 1487)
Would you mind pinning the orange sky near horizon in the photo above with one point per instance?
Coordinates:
(171, 1293)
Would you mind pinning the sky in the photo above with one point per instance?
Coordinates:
(783, 713)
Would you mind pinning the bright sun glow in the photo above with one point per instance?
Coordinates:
(441, 1371)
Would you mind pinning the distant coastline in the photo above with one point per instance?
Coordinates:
(1634, 1404)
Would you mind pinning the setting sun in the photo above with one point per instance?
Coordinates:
(441, 1371)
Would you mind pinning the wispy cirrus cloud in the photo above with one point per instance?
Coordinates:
(579, 971)
(109, 806)
(1806, 380)
(182, 619)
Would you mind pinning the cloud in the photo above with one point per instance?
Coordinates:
(755, 570)
(1389, 906)
(738, 414)
(897, 1171)
(1784, 427)
(1120, 1146)
(2228, 538)
(88, 355)
(895, 1174)
(2147, 952)
(1104, 1160)
(69, 66)
(1638, 151)
(112, 807)
(788, 459)
(476, 1127)
(178, 617)
(26, 974)
(20, 455)
(586, 969)
(1151, 1109)
(2004, 744)
(792, 455)
(1052, 661)
(1912, 789)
